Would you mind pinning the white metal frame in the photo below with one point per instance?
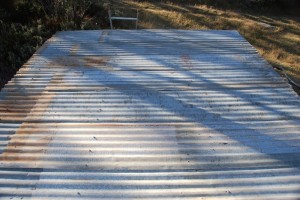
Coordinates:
(111, 18)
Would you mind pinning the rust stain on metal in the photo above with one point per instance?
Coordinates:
(10, 108)
(95, 61)
(73, 61)
(186, 61)
(66, 61)
(17, 149)
(22, 139)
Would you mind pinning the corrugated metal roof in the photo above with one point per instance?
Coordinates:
(149, 114)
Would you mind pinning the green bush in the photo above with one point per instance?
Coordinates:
(17, 43)
(25, 25)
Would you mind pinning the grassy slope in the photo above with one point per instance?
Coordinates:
(279, 45)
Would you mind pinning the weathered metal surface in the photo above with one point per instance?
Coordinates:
(149, 114)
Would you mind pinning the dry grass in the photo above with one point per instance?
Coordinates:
(278, 43)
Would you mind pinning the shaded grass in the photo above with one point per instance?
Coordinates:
(277, 38)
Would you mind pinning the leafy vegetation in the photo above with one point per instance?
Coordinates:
(25, 25)
(18, 43)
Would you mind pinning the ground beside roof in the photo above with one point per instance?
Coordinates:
(149, 114)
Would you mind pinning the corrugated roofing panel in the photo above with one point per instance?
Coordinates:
(149, 114)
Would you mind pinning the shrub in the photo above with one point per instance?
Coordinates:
(17, 43)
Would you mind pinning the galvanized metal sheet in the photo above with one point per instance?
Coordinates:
(149, 114)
